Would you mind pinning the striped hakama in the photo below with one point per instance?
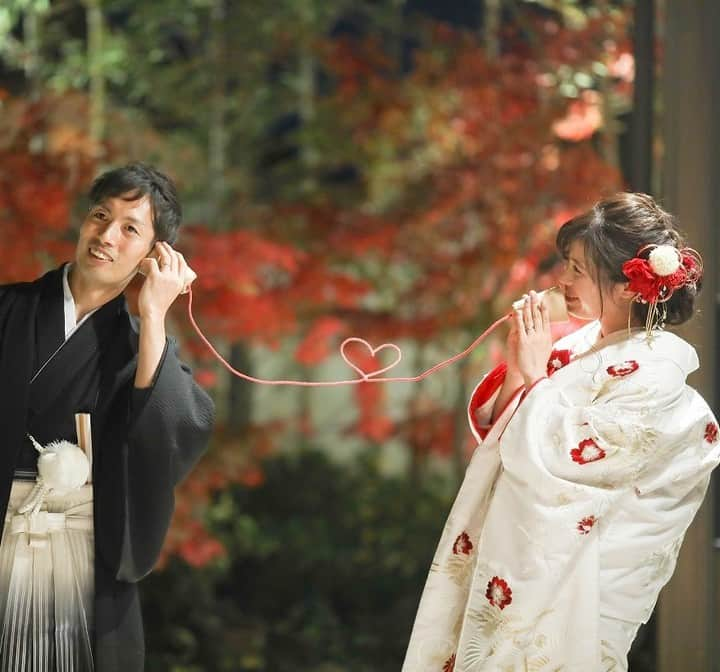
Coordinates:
(46, 583)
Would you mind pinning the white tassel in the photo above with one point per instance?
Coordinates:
(35, 499)
(62, 468)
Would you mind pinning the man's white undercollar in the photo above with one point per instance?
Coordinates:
(70, 310)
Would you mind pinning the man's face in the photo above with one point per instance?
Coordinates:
(114, 237)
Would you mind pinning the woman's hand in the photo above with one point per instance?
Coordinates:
(530, 341)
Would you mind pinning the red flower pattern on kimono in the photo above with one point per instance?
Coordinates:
(711, 432)
(449, 665)
(587, 451)
(558, 359)
(462, 544)
(498, 592)
(623, 369)
(586, 524)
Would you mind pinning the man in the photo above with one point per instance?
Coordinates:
(68, 574)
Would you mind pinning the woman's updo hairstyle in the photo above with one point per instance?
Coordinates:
(614, 231)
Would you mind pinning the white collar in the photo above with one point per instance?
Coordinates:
(71, 323)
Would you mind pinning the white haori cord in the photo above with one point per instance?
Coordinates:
(62, 468)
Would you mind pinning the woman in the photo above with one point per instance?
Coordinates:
(593, 458)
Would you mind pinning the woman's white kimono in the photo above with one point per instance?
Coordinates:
(572, 511)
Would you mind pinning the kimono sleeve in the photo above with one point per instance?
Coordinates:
(166, 439)
(4, 296)
(482, 405)
(641, 421)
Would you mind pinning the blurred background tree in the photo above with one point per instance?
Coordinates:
(393, 169)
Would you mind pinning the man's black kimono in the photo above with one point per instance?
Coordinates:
(144, 441)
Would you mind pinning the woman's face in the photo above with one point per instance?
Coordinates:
(582, 293)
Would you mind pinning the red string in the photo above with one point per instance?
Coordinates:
(367, 378)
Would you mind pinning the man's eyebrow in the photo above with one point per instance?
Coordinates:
(134, 220)
(126, 218)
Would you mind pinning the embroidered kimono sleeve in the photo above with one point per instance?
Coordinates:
(482, 406)
(169, 434)
(640, 418)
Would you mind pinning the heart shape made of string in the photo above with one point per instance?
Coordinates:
(373, 352)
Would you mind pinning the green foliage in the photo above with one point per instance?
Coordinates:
(325, 570)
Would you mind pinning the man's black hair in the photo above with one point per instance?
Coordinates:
(136, 180)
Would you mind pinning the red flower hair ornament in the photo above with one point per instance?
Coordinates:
(657, 272)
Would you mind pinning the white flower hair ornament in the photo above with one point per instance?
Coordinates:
(62, 468)
(664, 260)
